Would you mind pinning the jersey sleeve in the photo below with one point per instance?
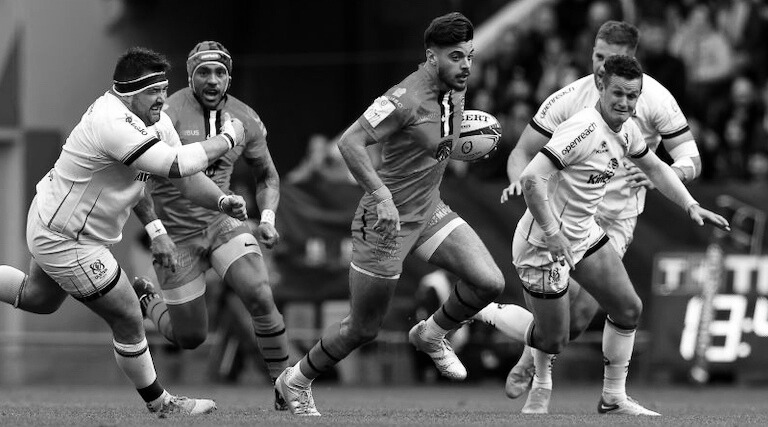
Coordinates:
(386, 115)
(570, 142)
(556, 109)
(668, 119)
(637, 146)
(126, 138)
(256, 146)
(167, 131)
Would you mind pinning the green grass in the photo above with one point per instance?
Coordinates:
(444, 405)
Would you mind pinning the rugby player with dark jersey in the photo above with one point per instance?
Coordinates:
(188, 239)
(417, 123)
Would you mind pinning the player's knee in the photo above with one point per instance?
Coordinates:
(492, 285)
(629, 315)
(552, 344)
(580, 321)
(258, 298)
(190, 340)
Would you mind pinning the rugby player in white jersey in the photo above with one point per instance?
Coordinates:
(660, 121)
(82, 204)
(558, 236)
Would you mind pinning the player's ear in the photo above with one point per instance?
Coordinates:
(431, 57)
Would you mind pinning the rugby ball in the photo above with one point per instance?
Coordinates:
(479, 136)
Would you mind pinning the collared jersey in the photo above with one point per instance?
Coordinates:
(588, 154)
(195, 123)
(656, 114)
(418, 126)
(89, 193)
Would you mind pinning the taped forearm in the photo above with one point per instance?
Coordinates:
(686, 160)
(185, 160)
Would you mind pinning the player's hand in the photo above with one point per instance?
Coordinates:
(233, 127)
(388, 222)
(560, 248)
(267, 235)
(514, 189)
(164, 252)
(637, 178)
(234, 206)
(700, 216)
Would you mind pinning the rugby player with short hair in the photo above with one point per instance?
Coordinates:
(559, 237)
(82, 204)
(417, 123)
(661, 122)
(199, 238)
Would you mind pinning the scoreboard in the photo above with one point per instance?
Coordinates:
(739, 326)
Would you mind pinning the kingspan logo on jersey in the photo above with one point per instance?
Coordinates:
(578, 139)
(606, 175)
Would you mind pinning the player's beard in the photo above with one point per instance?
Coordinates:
(451, 80)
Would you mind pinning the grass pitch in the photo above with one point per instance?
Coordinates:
(444, 405)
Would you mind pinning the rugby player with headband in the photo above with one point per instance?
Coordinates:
(199, 238)
(82, 204)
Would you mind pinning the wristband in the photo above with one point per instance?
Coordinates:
(230, 140)
(268, 216)
(155, 228)
(221, 201)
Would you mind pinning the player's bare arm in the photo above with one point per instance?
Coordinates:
(199, 189)
(665, 179)
(534, 180)
(162, 246)
(352, 145)
(267, 197)
(531, 142)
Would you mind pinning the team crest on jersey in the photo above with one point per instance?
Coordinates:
(606, 175)
(444, 150)
(98, 269)
(603, 148)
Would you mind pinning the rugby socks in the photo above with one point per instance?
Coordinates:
(512, 320)
(12, 283)
(618, 343)
(136, 362)
(272, 341)
(460, 306)
(329, 351)
(157, 311)
(543, 363)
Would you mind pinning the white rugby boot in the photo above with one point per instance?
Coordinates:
(440, 351)
(299, 399)
(538, 401)
(628, 406)
(520, 376)
(183, 405)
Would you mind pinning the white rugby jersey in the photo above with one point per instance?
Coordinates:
(89, 193)
(656, 114)
(588, 154)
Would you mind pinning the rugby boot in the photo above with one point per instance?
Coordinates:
(628, 406)
(183, 405)
(299, 399)
(440, 351)
(537, 402)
